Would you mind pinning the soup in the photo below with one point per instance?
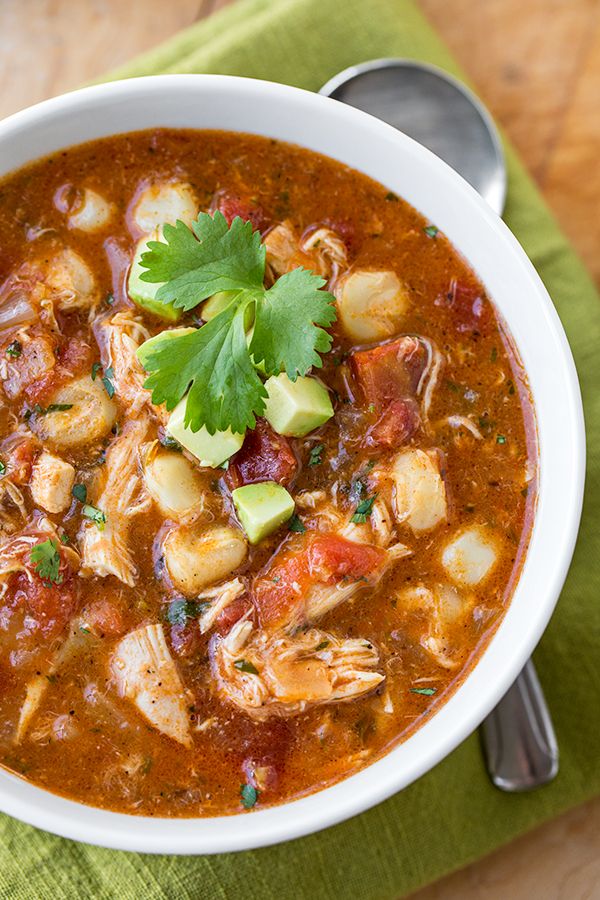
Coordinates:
(267, 475)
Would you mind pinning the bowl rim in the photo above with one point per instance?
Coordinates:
(466, 708)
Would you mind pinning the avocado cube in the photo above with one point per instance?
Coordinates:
(262, 508)
(144, 350)
(220, 301)
(143, 293)
(294, 408)
(210, 449)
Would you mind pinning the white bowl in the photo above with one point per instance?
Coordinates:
(372, 147)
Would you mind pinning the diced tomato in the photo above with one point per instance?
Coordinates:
(105, 617)
(470, 309)
(20, 461)
(232, 614)
(265, 456)
(332, 557)
(397, 424)
(389, 372)
(231, 206)
(316, 558)
(185, 639)
(75, 357)
(52, 605)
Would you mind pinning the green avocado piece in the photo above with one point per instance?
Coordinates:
(143, 351)
(262, 508)
(220, 301)
(210, 449)
(294, 408)
(143, 293)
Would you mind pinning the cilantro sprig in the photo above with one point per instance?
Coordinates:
(46, 562)
(215, 365)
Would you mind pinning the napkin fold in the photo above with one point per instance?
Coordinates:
(452, 815)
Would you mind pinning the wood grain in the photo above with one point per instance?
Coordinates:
(536, 63)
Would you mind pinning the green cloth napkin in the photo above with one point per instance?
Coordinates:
(452, 815)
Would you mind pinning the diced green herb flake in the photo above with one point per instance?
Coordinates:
(179, 611)
(95, 515)
(95, 369)
(315, 458)
(363, 510)
(107, 382)
(391, 197)
(426, 692)
(371, 407)
(14, 349)
(2, 468)
(524, 491)
(80, 492)
(244, 665)
(431, 231)
(170, 443)
(85, 629)
(296, 524)
(511, 388)
(500, 439)
(146, 765)
(494, 354)
(249, 795)
(110, 298)
(46, 562)
(322, 646)
(276, 579)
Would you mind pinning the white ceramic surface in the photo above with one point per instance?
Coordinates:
(369, 145)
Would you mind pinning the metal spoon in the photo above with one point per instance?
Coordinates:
(442, 114)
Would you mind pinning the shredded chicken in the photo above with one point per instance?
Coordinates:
(222, 596)
(322, 251)
(284, 675)
(51, 482)
(104, 545)
(120, 335)
(145, 672)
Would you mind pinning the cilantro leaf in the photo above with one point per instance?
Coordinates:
(226, 391)
(427, 692)
(194, 264)
(179, 611)
(249, 795)
(287, 337)
(245, 665)
(95, 515)
(363, 510)
(214, 365)
(46, 562)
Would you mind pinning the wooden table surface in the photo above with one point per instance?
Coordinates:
(536, 63)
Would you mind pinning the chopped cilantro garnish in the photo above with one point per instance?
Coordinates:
(110, 298)
(245, 665)
(14, 349)
(431, 231)
(249, 795)
(46, 562)
(500, 439)
(322, 646)
(363, 510)
(179, 611)
(169, 442)
(80, 492)
(296, 524)
(494, 355)
(427, 692)
(2, 468)
(95, 515)
(214, 365)
(391, 196)
(95, 369)
(107, 382)
(315, 458)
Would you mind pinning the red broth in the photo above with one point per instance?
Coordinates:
(351, 633)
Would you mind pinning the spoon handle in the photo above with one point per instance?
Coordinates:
(518, 738)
